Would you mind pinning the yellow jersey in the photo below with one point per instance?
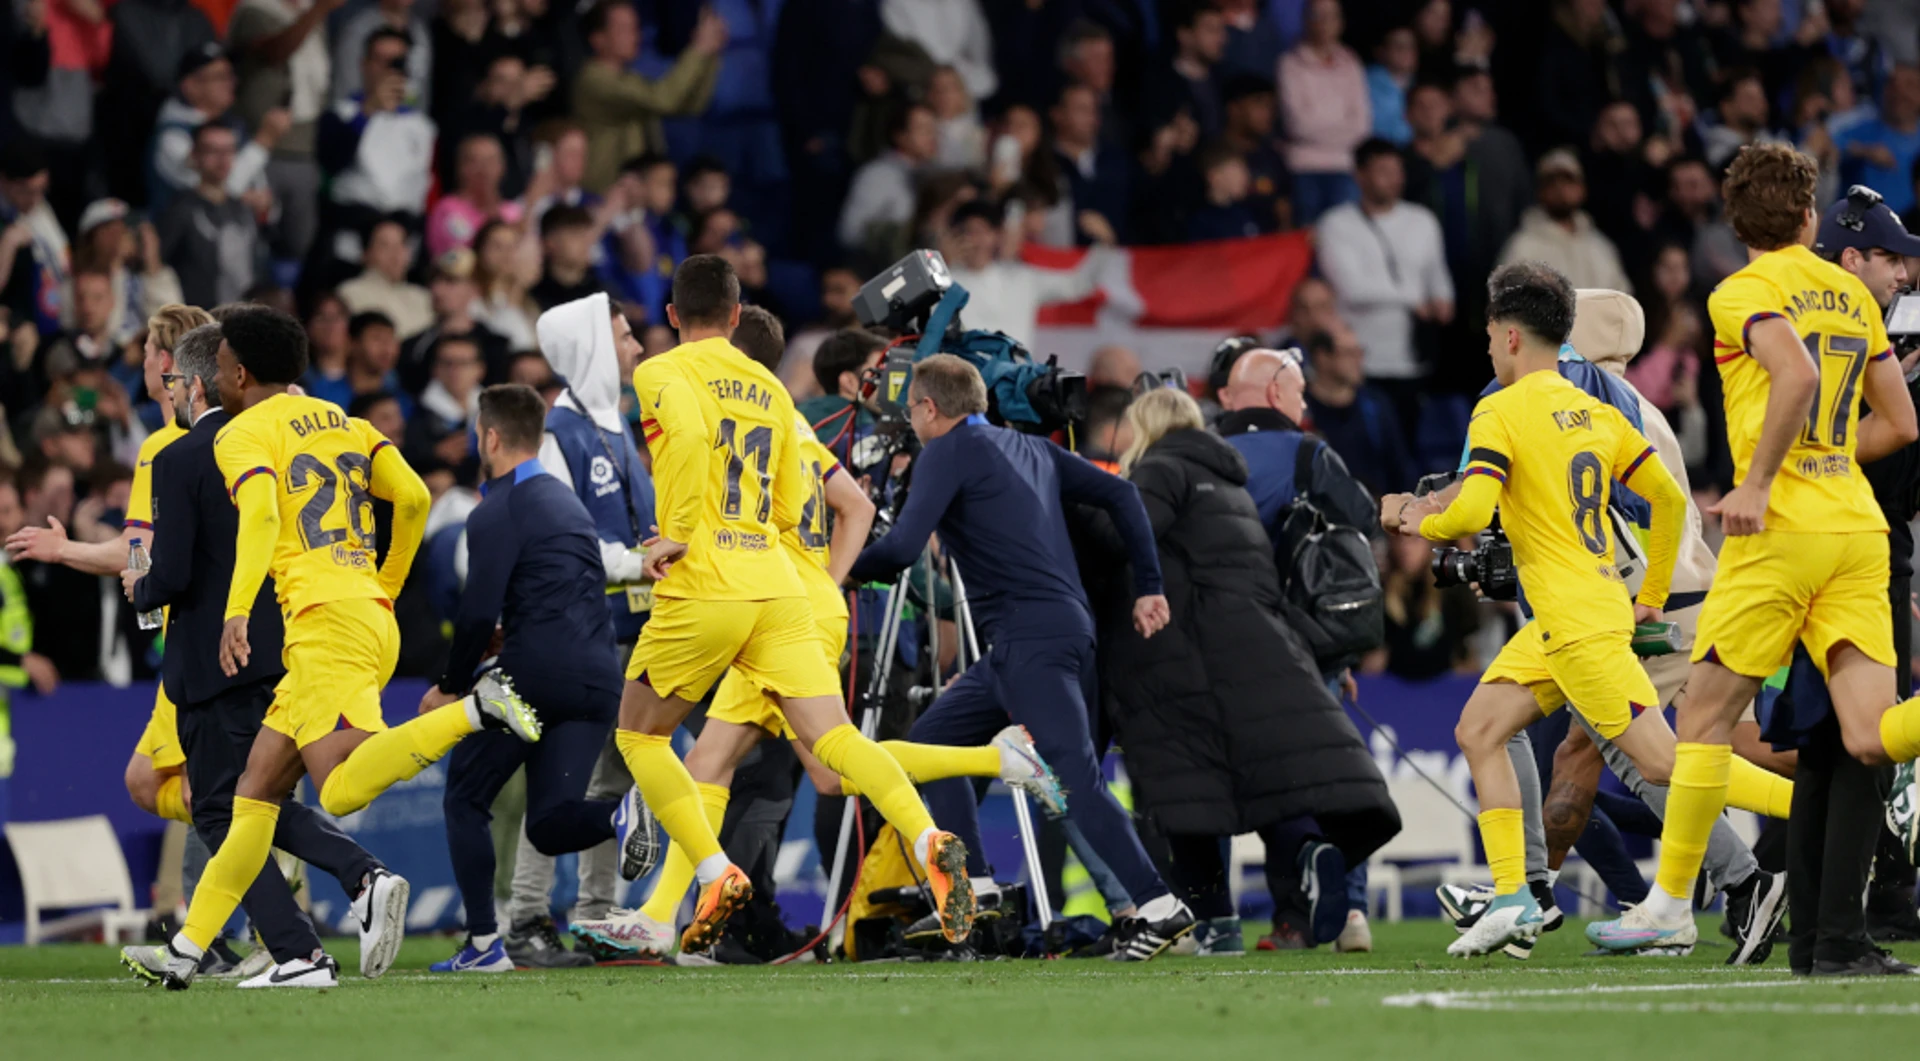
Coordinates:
(140, 497)
(1547, 453)
(315, 533)
(1819, 488)
(808, 540)
(726, 475)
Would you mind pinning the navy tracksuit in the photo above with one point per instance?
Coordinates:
(534, 567)
(995, 496)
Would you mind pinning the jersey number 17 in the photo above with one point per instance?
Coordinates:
(1851, 350)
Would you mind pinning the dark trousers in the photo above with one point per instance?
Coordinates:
(1600, 844)
(560, 819)
(217, 736)
(1044, 684)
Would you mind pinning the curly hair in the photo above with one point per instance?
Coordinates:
(1769, 190)
(1535, 296)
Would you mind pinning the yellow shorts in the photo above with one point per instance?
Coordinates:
(339, 656)
(161, 740)
(688, 644)
(1598, 674)
(743, 702)
(1775, 588)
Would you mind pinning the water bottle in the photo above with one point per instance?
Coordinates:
(138, 560)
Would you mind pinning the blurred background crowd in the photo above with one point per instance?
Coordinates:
(419, 179)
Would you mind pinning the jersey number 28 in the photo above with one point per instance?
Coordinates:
(356, 469)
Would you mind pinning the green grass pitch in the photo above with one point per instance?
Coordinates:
(1407, 1000)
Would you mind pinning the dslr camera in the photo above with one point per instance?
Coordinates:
(1488, 564)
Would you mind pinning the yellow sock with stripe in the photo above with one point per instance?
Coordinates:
(1503, 833)
(936, 762)
(229, 873)
(1750, 787)
(669, 791)
(879, 777)
(1900, 731)
(170, 803)
(1695, 797)
(392, 756)
(677, 873)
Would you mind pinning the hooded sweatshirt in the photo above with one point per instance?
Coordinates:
(588, 447)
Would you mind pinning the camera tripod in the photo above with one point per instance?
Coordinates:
(872, 702)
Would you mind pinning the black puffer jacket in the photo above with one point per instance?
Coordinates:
(1222, 716)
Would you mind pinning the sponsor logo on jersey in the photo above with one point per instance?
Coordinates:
(600, 472)
(1825, 466)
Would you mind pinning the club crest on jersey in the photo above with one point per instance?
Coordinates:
(308, 423)
(1568, 419)
(735, 390)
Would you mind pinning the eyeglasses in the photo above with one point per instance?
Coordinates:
(168, 379)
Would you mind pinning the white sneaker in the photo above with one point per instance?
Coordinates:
(380, 911)
(1509, 919)
(494, 692)
(1356, 938)
(629, 932)
(1022, 767)
(319, 971)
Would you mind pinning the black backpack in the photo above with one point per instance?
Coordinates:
(1329, 583)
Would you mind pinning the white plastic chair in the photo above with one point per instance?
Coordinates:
(70, 864)
(1433, 834)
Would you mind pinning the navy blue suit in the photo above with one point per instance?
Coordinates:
(534, 567)
(996, 498)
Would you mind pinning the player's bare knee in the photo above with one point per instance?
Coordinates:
(1477, 735)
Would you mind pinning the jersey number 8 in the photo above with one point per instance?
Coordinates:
(1586, 484)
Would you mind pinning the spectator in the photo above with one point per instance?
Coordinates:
(1867, 62)
(1429, 630)
(382, 285)
(33, 246)
(88, 341)
(1667, 68)
(464, 48)
(1086, 58)
(150, 38)
(414, 62)
(1224, 213)
(1692, 219)
(1324, 92)
(383, 410)
(1621, 182)
(642, 245)
(566, 239)
(714, 231)
(372, 358)
(1097, 177)
(329, 346)
(1253, 44)
(62, 435)
(529, 369)
(1881, 153)
(498, 108)
(1311, 309)
(565, 144)
(619, 109)
(457, 218)
(1395, 60)
(107, 244)
(280, 49)
(1751, 43)
(1386, 260)
(208, 237)
(61, 598)
(1434, 39)
(705, 186)
(205, 94)
(1189, 82)
(1262, 407)
(499, 278)
(1357, 420)
(1008, 293)
(1561, 234)
(438, 431)
(1579, 70)
(1251, 108)
(1113, 366)
(454, 297)
(838, 286)
(375, 148)
(962, 139)
(1743, 118)
(880, 203)
(953, 32)
(57, 55)
(1473, 178)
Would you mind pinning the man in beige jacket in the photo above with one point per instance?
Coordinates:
(619, 109)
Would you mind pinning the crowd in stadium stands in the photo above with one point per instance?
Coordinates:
(419, 181)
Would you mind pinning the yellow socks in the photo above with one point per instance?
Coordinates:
(1503, 833)
(669, 790)
(844, 751)
(231, 870)
(1900, 731)
(1695, 798)
(678, 871)
(392, 756)
(1761, 791)
(170, 803)
(936, 762)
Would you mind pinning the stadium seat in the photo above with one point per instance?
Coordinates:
(1433, 834)
(71, 864)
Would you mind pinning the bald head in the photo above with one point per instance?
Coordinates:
(1266, 379)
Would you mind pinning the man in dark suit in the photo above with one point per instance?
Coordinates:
(218, 715)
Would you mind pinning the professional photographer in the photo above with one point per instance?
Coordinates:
(995, 495)
(1835, 830)
(1226, 723)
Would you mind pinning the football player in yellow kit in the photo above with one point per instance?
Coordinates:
(727, 484)
(304, 475)
(1799, 342)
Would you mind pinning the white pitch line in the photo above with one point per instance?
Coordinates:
(1542, 1000)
